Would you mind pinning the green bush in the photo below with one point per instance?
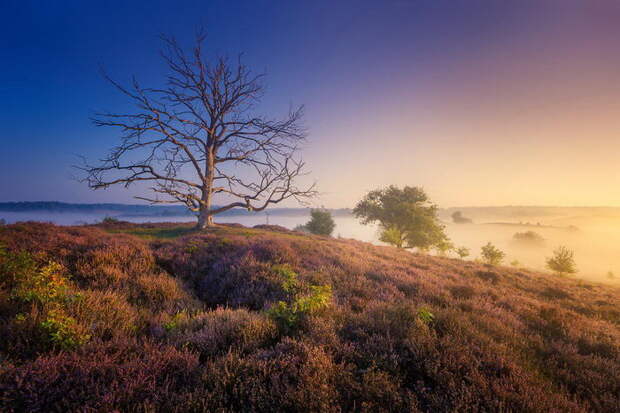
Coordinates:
(321, 222)
(63, 331)
(562, 261)
(492, 255)
(288, 314)
(425, 315)
(462, 252)
(41, 296)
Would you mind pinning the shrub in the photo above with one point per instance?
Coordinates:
(425, 315)
(128, 377)
(492, 255)
(110, 221)
(290, 283)
(41, 296)
(222, 330)
(528, 238)
(63, 331)
(288, 314)
(444, 247)
(158, 292)
(562, 261)
(107, 314)
(462, 252)
(321, 222)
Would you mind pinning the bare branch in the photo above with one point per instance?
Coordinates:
(199, 129)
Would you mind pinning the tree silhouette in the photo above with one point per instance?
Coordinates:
(199, 136)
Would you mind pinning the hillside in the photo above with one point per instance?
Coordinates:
(160, 318)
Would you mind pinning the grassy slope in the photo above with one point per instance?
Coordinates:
(173, 319)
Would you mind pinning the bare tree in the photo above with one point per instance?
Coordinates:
(198, 136)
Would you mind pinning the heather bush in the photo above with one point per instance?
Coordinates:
(222, 330)
(194, 324)
(113, 264)
(127, 377)
(293, 376)
(107, 314)
(158, 292)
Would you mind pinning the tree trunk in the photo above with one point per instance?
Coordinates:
(205, 218)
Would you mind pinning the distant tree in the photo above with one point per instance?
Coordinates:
(562, 261)
(198, 136)
(529, 238)
(491, 254)
(515, 263)
(458, 218)
(610, 275)
(321, 222)
(462, 252)
(2, 221)
(405, 216)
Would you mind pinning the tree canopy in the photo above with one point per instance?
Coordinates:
(491, 254)
(406, 217)
(562, 261)
(321, 222)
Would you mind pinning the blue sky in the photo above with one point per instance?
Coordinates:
(383, 82)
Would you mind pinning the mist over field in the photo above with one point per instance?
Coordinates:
(593, 233)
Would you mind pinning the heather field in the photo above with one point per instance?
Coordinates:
(139, 317)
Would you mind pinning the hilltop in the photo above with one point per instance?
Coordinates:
(143, 317)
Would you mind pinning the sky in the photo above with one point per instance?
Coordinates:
(479, 102)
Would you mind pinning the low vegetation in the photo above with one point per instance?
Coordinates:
(491, 254)
(106, 318)
(562, 261)
(321, 223)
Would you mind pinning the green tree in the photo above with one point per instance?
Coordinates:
(444, 247)
(562, 261)
(492, 255)
(462, 252)
(321, 222)
(405, 216)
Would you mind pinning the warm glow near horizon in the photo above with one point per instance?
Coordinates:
(481, 103)
(534, 121)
